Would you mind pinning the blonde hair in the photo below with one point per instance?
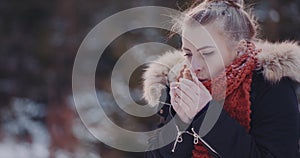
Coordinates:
(228, 16)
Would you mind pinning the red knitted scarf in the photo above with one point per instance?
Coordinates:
(238, 77)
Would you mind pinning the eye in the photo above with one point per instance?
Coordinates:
(187, 54)
(207, 53)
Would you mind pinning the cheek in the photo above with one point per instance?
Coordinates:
(228, 57)
(215, 65)
(194, 61)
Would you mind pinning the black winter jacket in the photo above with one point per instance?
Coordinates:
(275, 127)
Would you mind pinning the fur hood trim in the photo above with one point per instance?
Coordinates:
(159, 73)
(277, 60)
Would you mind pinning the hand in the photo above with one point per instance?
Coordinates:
(188, 97)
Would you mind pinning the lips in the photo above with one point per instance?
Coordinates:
(202, 80)
(201, 77)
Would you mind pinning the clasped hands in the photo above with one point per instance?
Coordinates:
(188, 95)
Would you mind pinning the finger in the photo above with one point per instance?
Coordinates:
(195, 86)
(186, 107)
(174, 84)
(189, 111)
(189, 95)
(187, 74)
(172, 95)
(188, 90)
(180, 75)
(175, 99)
(200, 84)
(196, 93)
(191, 108)
(194, 77)
(180, 112)
(181, 72)
(173, 102)
(185, 94)
(190, 84)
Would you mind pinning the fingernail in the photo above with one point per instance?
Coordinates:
(173, 84)
(174, 88)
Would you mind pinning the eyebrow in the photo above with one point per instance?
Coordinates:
(201, 48)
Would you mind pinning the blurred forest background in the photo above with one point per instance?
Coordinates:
(39, 41)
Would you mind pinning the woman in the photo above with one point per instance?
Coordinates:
(260, 116)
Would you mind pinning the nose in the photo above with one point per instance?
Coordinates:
(196, 65)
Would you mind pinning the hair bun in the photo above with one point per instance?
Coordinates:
(234, 3)
(237, 2)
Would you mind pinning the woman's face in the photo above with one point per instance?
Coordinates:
(206, 50)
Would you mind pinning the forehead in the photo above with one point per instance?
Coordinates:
(198, 36)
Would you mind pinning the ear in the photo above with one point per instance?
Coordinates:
(240, 47)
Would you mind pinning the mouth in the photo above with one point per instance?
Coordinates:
(202, 80)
